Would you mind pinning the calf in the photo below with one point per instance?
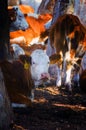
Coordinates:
(39, 62)
(39, 66)
(18, 80)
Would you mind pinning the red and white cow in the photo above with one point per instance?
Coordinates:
(39, 66)
(65, 38)
(39, 62)
(32, 31)
(24, 74)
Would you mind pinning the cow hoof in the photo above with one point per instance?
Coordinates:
(58, 83)
(68, 87)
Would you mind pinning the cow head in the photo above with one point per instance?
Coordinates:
(39, 66)
(20, 22)
(38, 63)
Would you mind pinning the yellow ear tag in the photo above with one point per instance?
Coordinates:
(26, 65)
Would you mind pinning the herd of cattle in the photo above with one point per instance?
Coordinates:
(62, 58)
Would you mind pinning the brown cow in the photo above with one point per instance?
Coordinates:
(65, 36)
(32, 31)
(18, 80)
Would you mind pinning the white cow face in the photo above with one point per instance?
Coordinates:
(39, 65)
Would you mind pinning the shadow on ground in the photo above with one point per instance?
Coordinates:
(53, 109)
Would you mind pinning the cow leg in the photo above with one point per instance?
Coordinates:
(58, 81)
(32, 95)
(63, 73)
(66, 75)
(67, 68)
(68, 79)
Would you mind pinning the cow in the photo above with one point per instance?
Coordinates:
(18, 80)
(20, 23)
(66, 35)
(32, 31)
(39, 61)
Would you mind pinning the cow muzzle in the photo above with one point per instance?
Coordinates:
(45, 76)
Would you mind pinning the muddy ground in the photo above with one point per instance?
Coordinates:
(54, 109)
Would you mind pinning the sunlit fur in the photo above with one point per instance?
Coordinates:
(66, 35)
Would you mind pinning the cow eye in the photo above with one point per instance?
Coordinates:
(20, 16)
(33, 62)
(48, 62)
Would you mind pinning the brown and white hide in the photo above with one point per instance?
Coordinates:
(18, 81)
(65, 36)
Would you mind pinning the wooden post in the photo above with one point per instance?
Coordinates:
(6, 114)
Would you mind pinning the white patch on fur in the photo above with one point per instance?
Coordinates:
(35, 41)
(40, 64)
(18, 40)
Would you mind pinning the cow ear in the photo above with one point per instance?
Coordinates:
(25, 58)
(25, 15)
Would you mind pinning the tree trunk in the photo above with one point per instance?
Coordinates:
(6, 115)
(4, 30)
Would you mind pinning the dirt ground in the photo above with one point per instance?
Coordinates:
(54, 109)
